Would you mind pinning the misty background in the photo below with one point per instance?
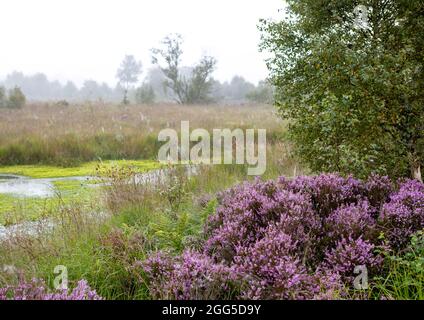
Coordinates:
(71, 50)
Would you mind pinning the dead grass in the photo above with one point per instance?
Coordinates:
(51, 134)
(89, 119)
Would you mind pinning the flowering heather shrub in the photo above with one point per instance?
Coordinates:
(247, 212)
(378, 190)
(191, 276)
(274, 271)
(353, 220)
(298, 239)
(37, 290)
(403, 215)
(327, 191)
(350, 253)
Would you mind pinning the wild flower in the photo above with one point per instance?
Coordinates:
(403, 215)
(37, 290)
(293, 239)
(353, 220)
(348, 254)
(273, 270)
(191, 276)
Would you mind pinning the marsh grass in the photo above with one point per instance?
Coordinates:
(69, 135)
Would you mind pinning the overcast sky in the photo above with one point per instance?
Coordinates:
(87, 39)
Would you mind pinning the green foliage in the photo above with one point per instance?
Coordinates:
(71, 150)
(3, 98)
(145, 94)
(15, 99)
(263, 93)
(405, 273)
(191, 88)
(174, 187)
(353, 91)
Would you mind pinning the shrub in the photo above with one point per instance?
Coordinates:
(192, 276)
(344, 90)
(350, 221)
(298, 239)
(37, 290)
(16, 99)
(3, 98)
(273, 268)
(403, 215)
(350, 253)
(145, 95)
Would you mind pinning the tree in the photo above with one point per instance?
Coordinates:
(90, 90)
(156, 80)
(350, 79)
(128, 74)
(3, 98)
(192, 87)
(263, 93)
(70, 91)
(239, 88)
(16, 99)
(145, 94)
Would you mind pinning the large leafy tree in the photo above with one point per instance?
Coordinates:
(349, 76)
(192, 87)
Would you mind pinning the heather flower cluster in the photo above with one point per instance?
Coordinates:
(292, 239)
(191, 276)
(37, 290)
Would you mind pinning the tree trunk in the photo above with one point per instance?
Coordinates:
(415, 165)
(416, 172)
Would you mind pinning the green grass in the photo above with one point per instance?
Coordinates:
(86, 169)
(404, 273)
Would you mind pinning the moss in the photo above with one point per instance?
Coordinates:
(86, 169)
(15, 209)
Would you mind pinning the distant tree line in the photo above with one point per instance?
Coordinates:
(168, 81)
(38, 88)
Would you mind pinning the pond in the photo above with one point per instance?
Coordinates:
(37, 189)
(20, 186)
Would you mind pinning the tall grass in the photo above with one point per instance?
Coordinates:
(68, 135)
(404, 278)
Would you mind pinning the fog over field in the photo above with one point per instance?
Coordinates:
(86, 40)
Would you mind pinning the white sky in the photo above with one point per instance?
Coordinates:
(87, 39)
